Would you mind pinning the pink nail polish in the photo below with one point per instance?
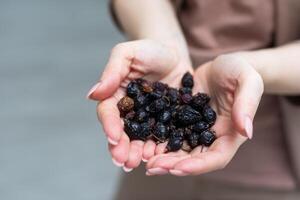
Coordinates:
(249, 127)
(117, 163)
(126, 169)
(112, 142)
(92, 90)
(157, 170)
(177, 172)
(144, 160)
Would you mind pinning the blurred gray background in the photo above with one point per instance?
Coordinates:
(51, 145)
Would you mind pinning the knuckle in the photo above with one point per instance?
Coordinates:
(121, 47)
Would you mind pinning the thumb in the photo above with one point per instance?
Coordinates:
(115, 72)
(247, 97)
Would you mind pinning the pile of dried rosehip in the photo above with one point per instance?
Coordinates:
(161, 113)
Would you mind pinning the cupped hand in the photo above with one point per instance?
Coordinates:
(235, 89)
(128, 61)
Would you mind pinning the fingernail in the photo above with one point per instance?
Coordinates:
(249, 127)
(157, 170)
(177, 172)
(92, 90)
(148, 174)
(117, 163)
(144, 160)
(112, 142)
(127, 169)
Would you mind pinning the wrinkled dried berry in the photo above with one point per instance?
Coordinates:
(145, 85)
(164, 117)
(173, 95)
(200, 126)
(141, 115)
(125, 105)
(186, 115)
(193, 139)
(200, 100)
(161, 87)
(161, 132)
(207, 138)
(186, 98)
(133, 129)
(185, 90)
(174, 144)
(187, 80)
(130, 115)
(209, 115)
(156, 106)
(133, 89)
(140, 101)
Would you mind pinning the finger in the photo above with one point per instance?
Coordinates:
(120, 152)
(246, 101)
(109, 116)
(114, 73)
(160, 148)
(148, 152)
(135, 155)
(168, 162)
(158, 156)
(216, 157)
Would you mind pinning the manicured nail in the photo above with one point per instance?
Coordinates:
(157, 171)
(117, 163)
(127, 169)
(148, 174)
(112, 142)
(177, 172)
(249, 127)
(144, 160)
(92, 90)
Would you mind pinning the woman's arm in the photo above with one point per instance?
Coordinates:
(279, 68)
(152, 19)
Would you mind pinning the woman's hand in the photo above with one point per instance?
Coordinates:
(131, 60)
(235, 89)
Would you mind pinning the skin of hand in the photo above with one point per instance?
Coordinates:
(130, 60)
(235, 88)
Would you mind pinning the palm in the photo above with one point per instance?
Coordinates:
(221, 83)
(147, 59)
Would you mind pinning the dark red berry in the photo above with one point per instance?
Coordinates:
(186, 98)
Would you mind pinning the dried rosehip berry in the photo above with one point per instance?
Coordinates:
(179, 133)
(174, 144)
(145, 85)
(207, 138)
(145, 130)
(193, 139)
(209, 115)
(186, 98)
(187, 80)
(133, 129)
(130, 115)
(161, 87)
(200, 100)
(161, 132)
(173, 95)
(141, 115)
(140, 101)
(200, 126)
(133, 89)
(186, 115)
(156, 106)
(164, 117)
(125, 105)
(185, 90)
